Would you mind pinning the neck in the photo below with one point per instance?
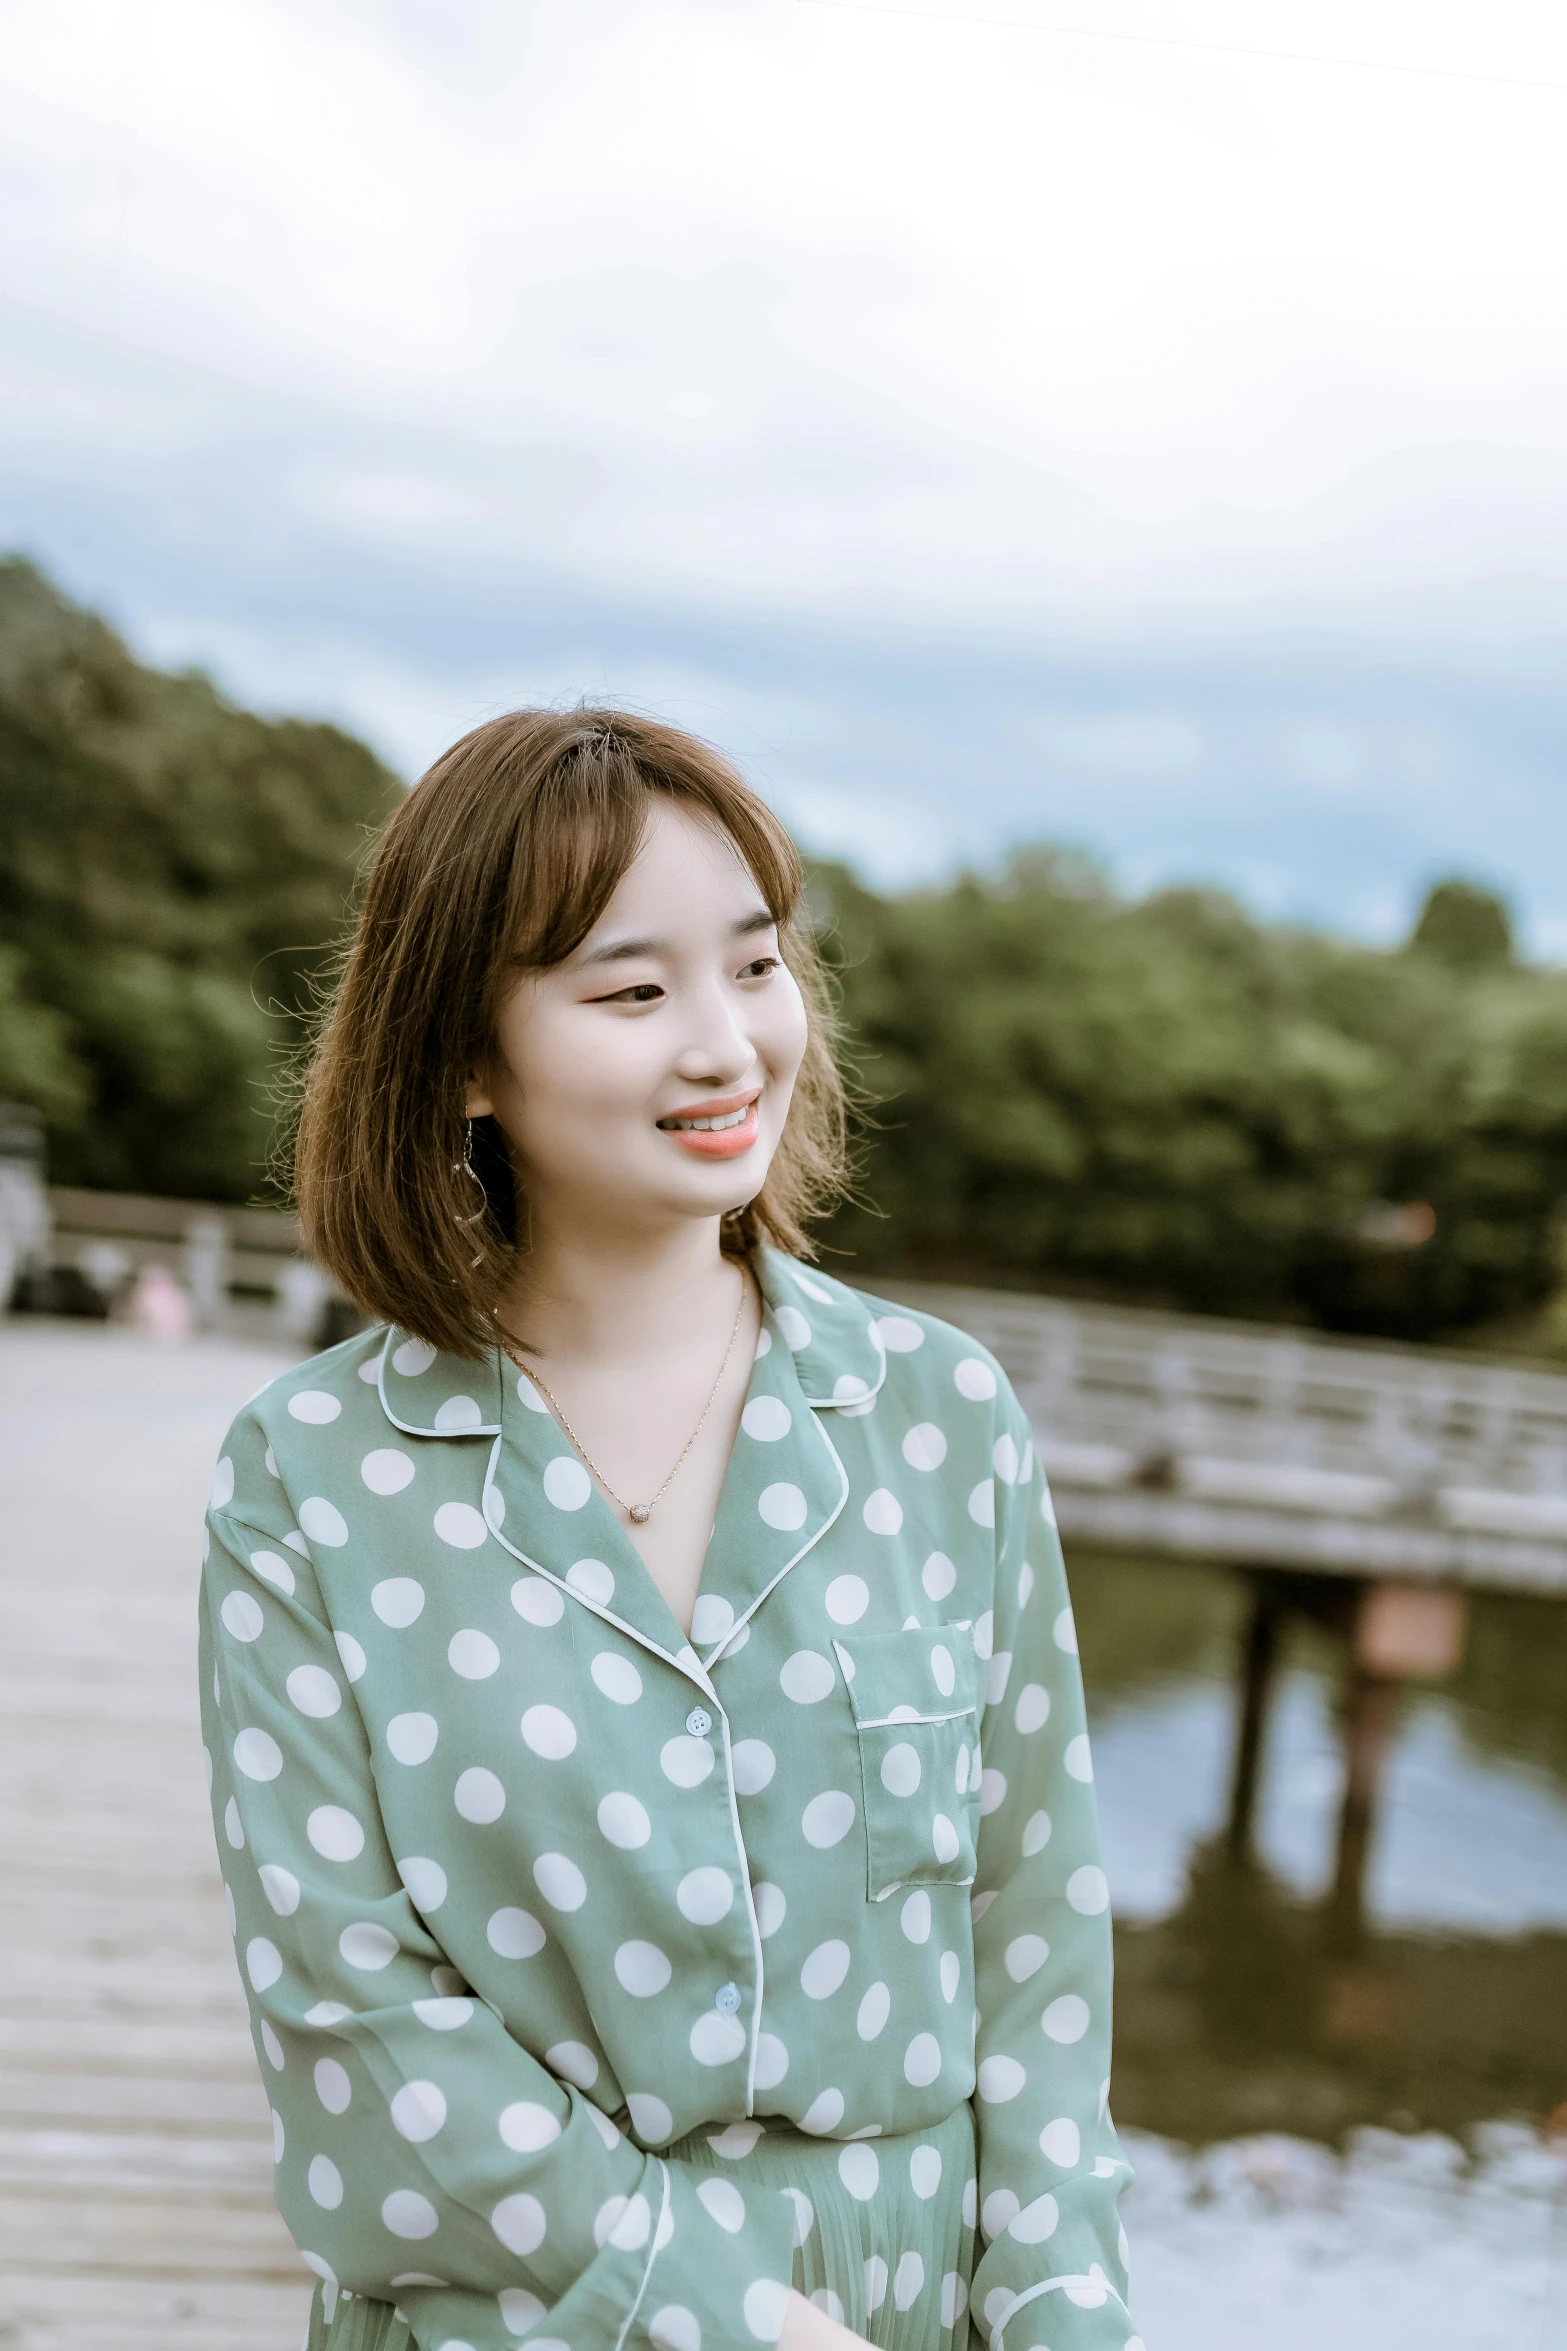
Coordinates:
(609, 1295)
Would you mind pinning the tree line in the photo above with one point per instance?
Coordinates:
(171, 869)
(1157, 1099)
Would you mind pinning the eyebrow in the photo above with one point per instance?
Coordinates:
(628, 950)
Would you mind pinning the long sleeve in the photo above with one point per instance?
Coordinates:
(1054, 2267)
(425, 2158)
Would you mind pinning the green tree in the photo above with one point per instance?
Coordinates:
(1466, 926)
(173, 872)
(1167, 1101)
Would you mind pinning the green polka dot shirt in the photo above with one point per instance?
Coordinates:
(527, 1886)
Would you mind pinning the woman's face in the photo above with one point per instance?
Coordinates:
(675, 1009)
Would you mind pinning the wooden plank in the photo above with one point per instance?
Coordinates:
(117, 1873)
(136, 2208)
(173, 2236)
(48, 2095)
(154, 1983)
(153, 1703)
(38, 2161)
(78, 1916)
(45, 2312)
(79, 2036)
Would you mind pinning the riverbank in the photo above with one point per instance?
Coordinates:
(1401, 2243)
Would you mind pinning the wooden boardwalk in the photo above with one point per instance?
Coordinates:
(136, 2207)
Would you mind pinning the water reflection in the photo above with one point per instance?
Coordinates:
(1238, 2007)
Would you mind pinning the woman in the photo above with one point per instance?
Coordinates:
(645, 1732)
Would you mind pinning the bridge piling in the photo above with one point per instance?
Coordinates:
(1259, 1668)
(1393, 1633)
(1370, 1712)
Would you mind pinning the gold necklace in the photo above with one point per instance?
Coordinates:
(638, 1512)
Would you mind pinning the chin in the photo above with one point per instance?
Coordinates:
(727, 1201)
(719, 1191)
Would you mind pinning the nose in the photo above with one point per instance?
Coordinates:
(718, 1050)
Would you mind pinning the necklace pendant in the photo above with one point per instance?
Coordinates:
(639, 1512)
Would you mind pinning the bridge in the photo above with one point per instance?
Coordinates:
(1281, 1448)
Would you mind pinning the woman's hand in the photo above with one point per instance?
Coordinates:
(805, 2328)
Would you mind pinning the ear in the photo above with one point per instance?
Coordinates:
(477, 1103)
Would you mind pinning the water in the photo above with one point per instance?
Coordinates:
(1364, 2137)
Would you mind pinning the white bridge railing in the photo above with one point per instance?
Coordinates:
(1282, 1448)
(241, 1267)
(1209, 1439)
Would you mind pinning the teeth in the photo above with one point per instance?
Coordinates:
(707, 1126)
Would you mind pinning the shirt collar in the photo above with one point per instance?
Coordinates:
(819, 1352)
(826, 1327)
(427, 1394)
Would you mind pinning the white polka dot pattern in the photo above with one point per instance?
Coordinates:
(767, 1419)
(782, 1506)
(566, 1483)
(537, 1601)
(425, 1881)
(323, 1522)
(473, 1655)
(460, 1525)
(387, 1470)
(411, 1737)
(426, 1639)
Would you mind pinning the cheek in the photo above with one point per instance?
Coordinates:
(568, 1079)
(781, 1033)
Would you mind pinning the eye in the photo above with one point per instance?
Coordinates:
(760, 968)
(642, 992)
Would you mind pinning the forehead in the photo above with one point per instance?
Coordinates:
(687, 874)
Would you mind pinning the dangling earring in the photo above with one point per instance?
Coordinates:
(465, 1166)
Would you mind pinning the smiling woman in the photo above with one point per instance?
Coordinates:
(639, 1682)
(489, 902)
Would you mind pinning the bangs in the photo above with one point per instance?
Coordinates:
(588, 819)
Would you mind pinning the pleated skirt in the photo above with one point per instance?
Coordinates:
(884, 2228)
(884, 2233)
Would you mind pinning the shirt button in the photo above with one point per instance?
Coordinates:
(727, 1999)
(699, 1722)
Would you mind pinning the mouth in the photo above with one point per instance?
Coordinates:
(706, 1125)
(716, 1130)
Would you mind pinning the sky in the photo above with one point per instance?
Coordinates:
(1134, 424)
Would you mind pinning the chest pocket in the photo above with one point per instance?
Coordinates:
(914, 1699)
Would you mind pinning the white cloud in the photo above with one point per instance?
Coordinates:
(984, 433)
(1153, 744)
(1325, 753)
(893, 842)
(824, 310)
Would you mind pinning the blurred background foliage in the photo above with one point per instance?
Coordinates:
(171, 871)
(1160, 1100)
(1169, 1102)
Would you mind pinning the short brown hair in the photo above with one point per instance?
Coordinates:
(500, 860)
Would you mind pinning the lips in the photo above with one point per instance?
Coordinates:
(718, 1129)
